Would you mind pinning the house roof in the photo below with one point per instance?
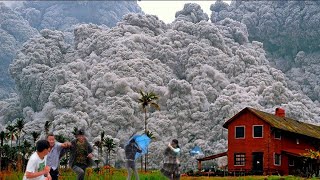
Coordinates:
(213, 156)
(295, 152)
(283, 123)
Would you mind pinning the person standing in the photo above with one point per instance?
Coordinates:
(171, 165)
(130, 151)
(80, 154)
(53, 157)
(36, 168)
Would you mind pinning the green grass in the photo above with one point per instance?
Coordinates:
(105, 174)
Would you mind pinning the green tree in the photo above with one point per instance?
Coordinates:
(98, 144)
(2, 139)
(3, 136)
(102, 136)
(75, 130)
(35, 135)
(146, 100)
(110, 145)
(11, 133)
(60, 138)
(19, 128)
(150, 135)
(47, 125)
(27, 149)
(19, 125)
(6, 155)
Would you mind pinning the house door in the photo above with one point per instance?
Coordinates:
(257, 162)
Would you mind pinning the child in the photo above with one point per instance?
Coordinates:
(36, 167)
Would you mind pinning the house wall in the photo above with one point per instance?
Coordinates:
(267, 144)
(289, 141)
(247, 145)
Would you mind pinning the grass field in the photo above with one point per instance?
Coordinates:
(111, 174)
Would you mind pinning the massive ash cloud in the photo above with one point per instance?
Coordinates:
(61, 15)
(290, 33)
(203, 72)
(22, 20)
(14, 30)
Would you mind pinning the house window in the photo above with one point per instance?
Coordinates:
(277, 159)
(291, 162)
(257, 131)
(239, 132)
(277, 134)
(239, 159)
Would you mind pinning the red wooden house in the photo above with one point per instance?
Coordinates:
(260, 142)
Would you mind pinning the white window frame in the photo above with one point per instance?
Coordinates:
(244, 132)
(274, 159)
(253, 131)
(234, 160)
(292, 160)
(275, 134)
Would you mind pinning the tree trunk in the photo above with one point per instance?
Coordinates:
(146, 162)
(109, 155)
(0, 158)
(107, 160)
(141, 163)
(11, 140)
(145, 131)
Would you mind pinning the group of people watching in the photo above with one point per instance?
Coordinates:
(44, 163)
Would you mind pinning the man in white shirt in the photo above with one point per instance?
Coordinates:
(53, 157)
(36, 167)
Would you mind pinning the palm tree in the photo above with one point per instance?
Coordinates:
(11, 133)
(151, 136)
(47, 125)
(26, 150)
(19, 127)
(146, 100)
(99, 146)
(102, 136)
(99, 143)
(3, 136)
(60, 138)
(6, 153)
(110, 145)
(2, 139)
(35, 135)
(75, 130)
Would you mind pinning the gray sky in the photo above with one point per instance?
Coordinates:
(166, 10)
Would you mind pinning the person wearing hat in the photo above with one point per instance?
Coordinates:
(80, 154)
(171, 164)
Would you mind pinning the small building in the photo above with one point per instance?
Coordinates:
(264, 143)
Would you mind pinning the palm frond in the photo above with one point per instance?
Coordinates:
(155, 105)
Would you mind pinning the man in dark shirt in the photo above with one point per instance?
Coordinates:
(130, 150)
(80, 154)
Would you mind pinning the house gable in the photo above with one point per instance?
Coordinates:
(283, 123)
